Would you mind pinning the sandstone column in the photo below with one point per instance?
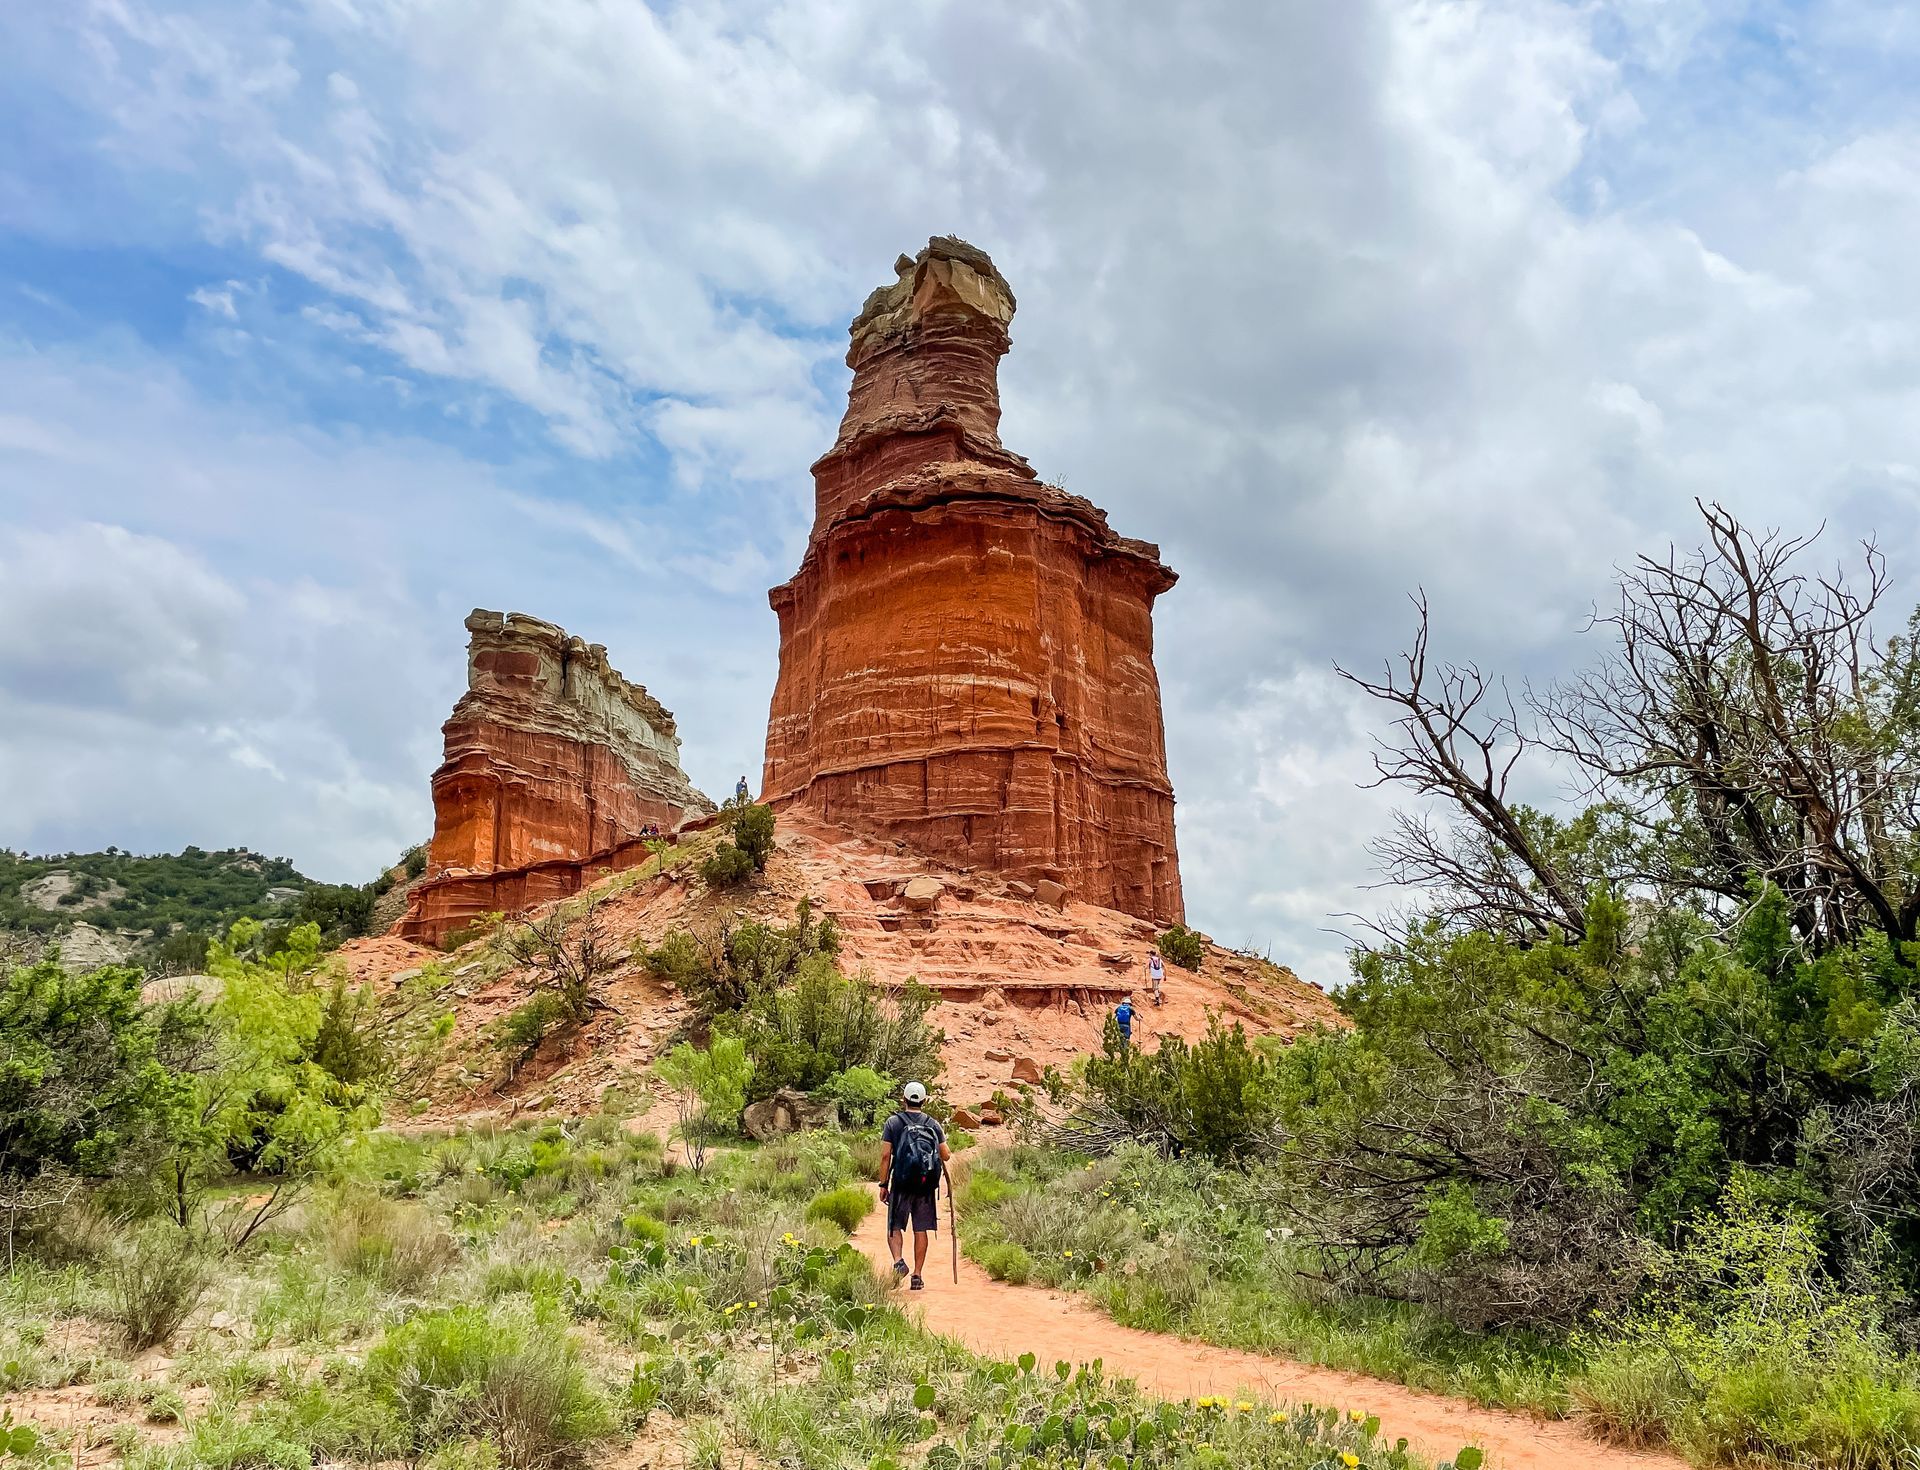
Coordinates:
(966, 654)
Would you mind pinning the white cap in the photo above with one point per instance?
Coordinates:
(914, 1092)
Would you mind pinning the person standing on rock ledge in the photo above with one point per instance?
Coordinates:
(913, 1156)
(740, 793)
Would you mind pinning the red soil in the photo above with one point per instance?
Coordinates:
(1003, 1321)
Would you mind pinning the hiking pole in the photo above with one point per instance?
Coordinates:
(953, 1224)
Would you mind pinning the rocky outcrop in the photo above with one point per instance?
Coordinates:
(555, 765)
(787, 1111)
(966, 654)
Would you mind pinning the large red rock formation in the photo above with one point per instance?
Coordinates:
(555, 765)
(966, 654)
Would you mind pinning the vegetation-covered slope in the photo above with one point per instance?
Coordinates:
(199, 890)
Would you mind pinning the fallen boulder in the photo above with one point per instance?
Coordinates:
(1026, 1069)
(922, 893)
(787, 1111)
(1048, 891)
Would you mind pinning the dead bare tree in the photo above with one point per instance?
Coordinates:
(569, 955)
(1745, 727)
(1459, 738)
(1753, 730)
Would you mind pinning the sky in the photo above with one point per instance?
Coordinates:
(325, 321)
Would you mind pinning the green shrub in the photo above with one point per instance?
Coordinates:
(722, 968)
(845, 1207)
(865, 1096)
(524, 1027)
(1004, 1260)
(822, 1024)
(981, 1189)
(309, 1303)
(709, 1090)
(515, 1377)
(1216, 1097)
(89, 1074)
(1633, 1398)
(799, 1165)
(753, 834)
(644, 1228)
(224, 1440)
(153, 1284)
(1741, 1349)
(863, 1152)
(727, 867)
(1182, 947)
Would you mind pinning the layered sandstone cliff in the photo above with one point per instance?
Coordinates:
(966, 654)
(555, 765)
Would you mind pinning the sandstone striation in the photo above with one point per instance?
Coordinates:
(555, 766)
(966, 653)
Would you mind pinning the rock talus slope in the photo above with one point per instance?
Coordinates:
(1023, 983)
(555, 764)
(966, 654)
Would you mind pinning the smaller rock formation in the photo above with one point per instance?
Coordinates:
(555, 764)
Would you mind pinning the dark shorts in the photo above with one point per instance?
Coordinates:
(922, 1211)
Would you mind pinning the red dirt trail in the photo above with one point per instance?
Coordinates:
(1003, 1321)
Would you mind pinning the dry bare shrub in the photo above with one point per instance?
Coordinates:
(397, 1244)
(153, 1284)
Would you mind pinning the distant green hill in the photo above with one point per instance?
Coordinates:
(160, 910)
(202, 891)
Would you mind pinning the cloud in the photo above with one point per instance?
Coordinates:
(1332, 301)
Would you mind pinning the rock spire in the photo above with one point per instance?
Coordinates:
(966, 653)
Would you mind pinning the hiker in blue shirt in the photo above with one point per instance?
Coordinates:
(740, 791)
(1123, 1018)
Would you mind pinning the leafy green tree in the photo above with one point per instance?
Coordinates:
(266, 1103)
(709, 1089)
(183, 952)
(1583, 1099)
(90, 1077)
(736, 861)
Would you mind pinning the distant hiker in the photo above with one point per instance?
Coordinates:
(740, 793)
(1123, 1018)
(1156, 973)
(913, 1156)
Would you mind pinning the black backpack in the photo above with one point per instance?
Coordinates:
(916, 1156)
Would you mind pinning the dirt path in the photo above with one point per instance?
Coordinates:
(1004, 1321)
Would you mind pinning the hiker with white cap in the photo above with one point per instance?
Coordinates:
(913, 1156)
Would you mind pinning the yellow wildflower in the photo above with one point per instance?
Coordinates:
(1356, 1415)
(1276, 1418)
(1349, 1460)
(752, 1305)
